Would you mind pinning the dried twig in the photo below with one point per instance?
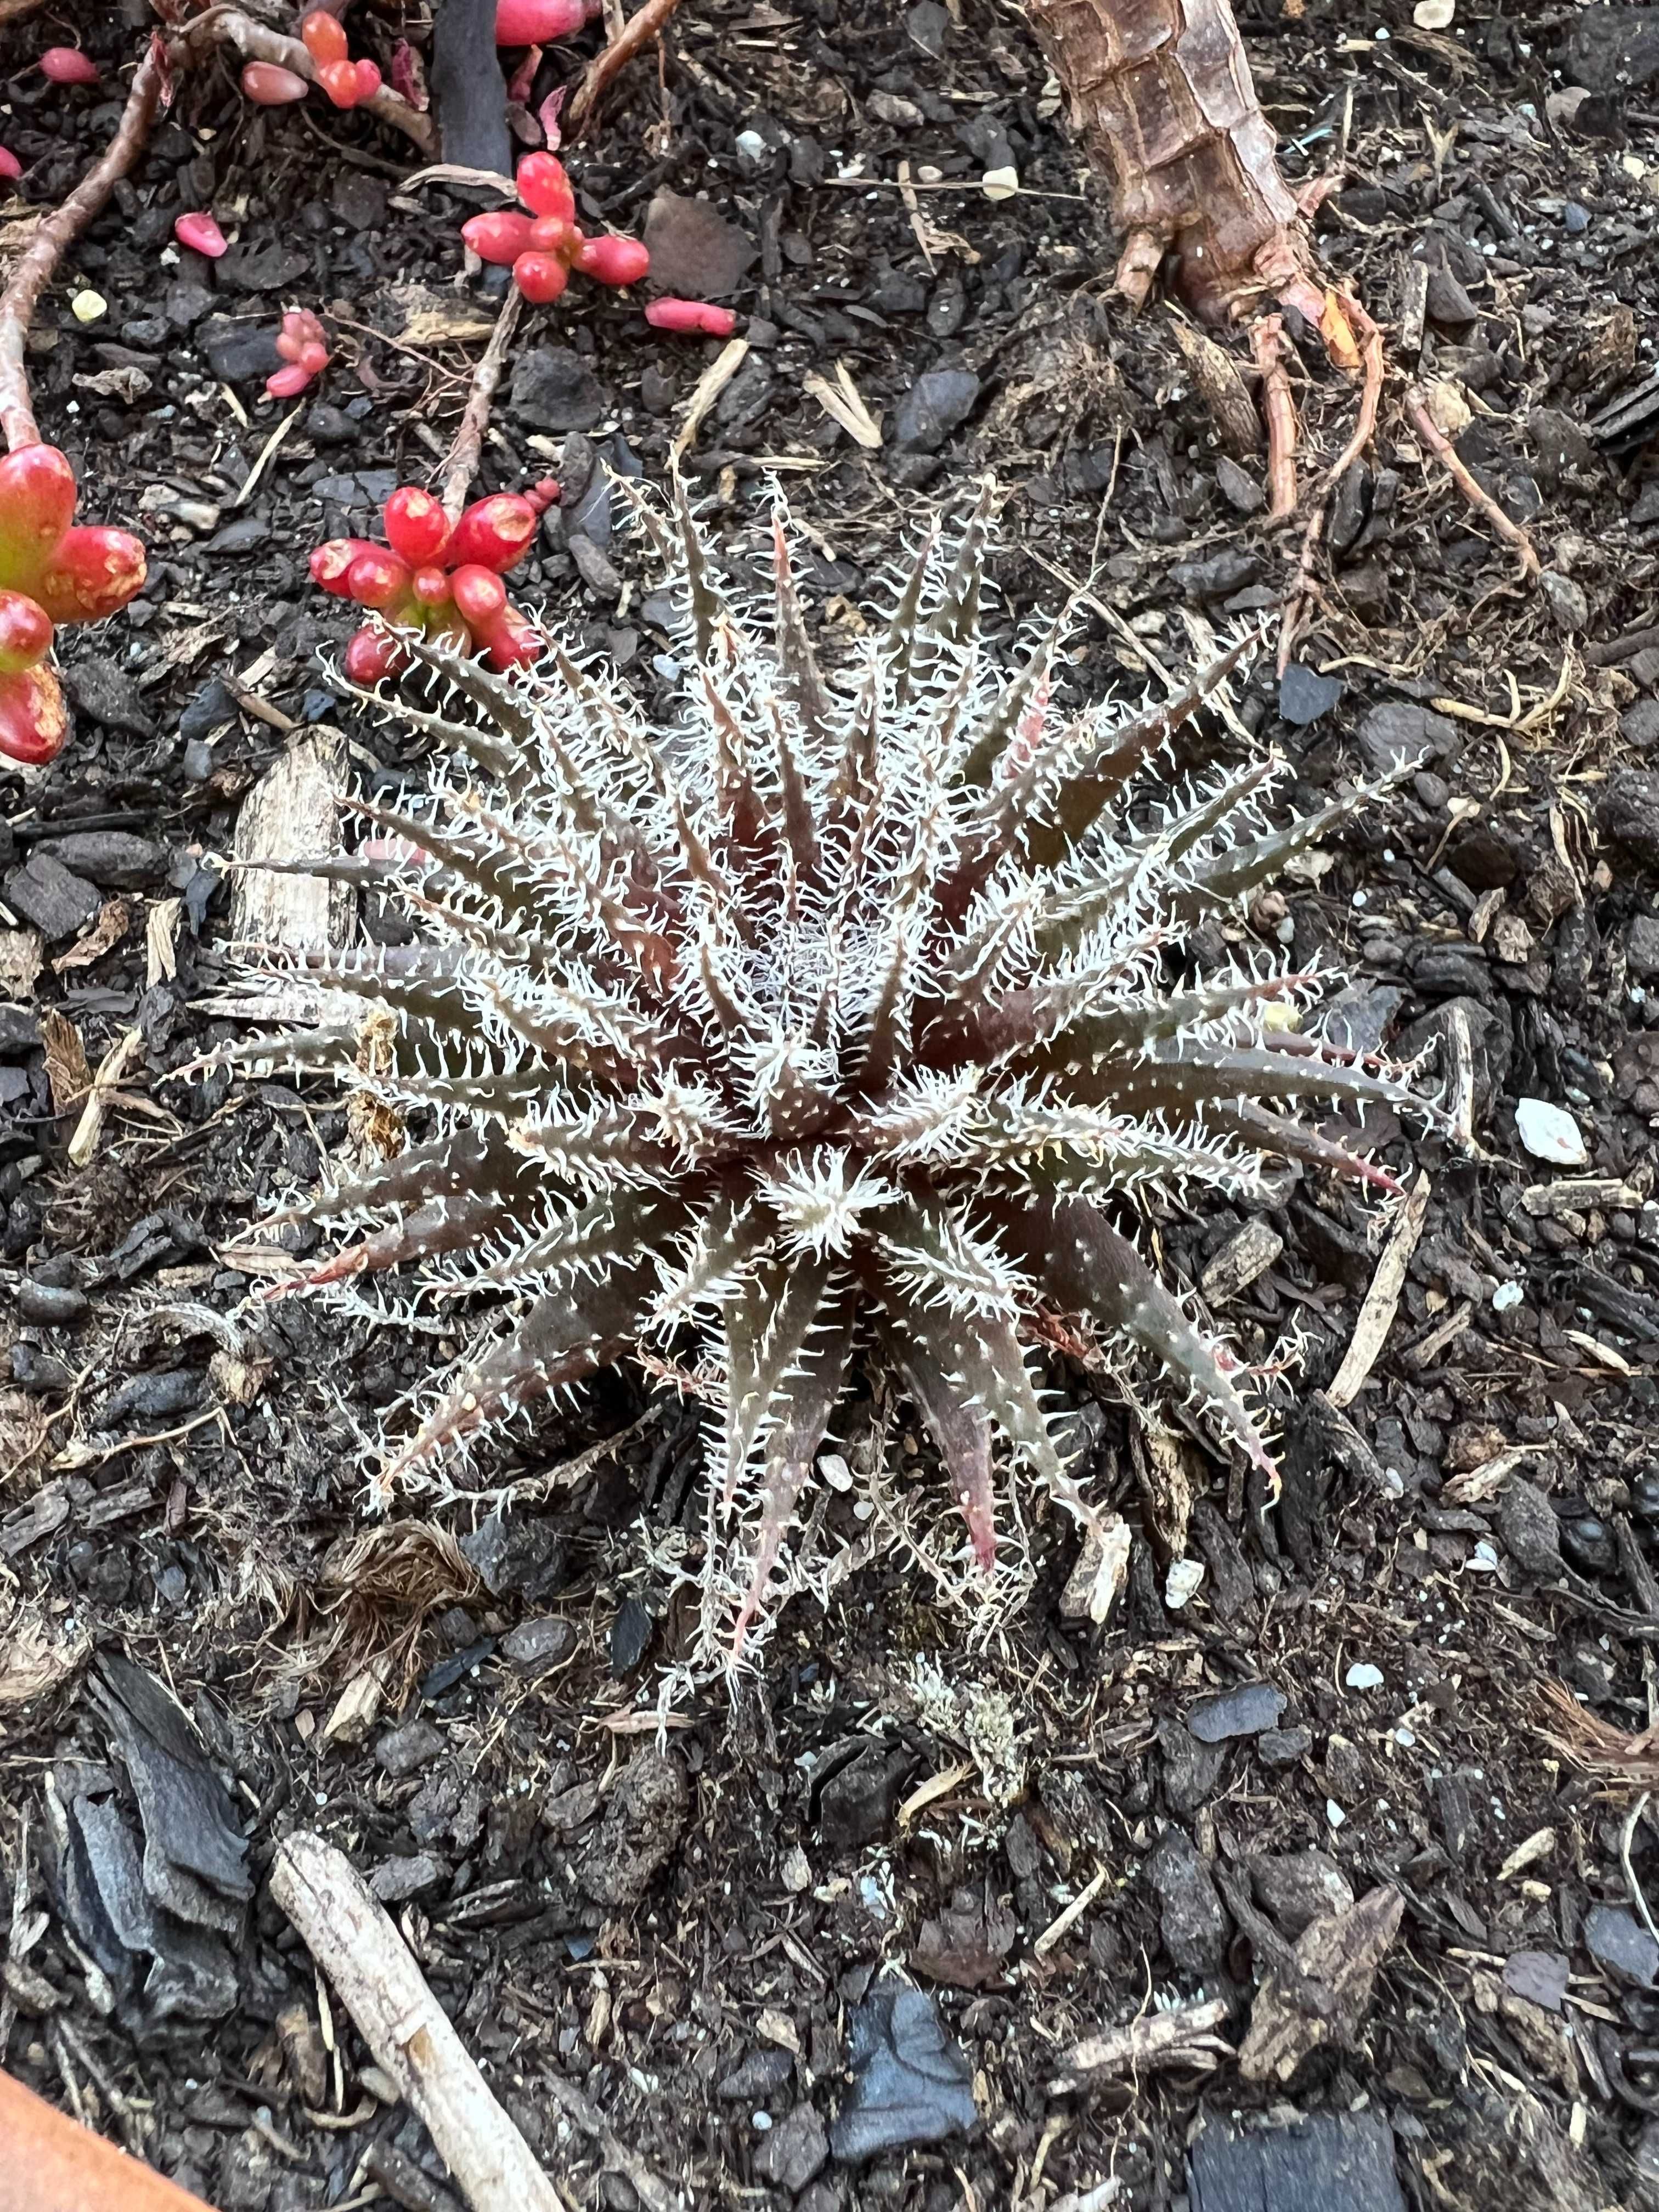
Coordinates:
(1267, 344)
(1417, 406)
(645, 24)
(1185, 2037)
(1381, 1301)
(462, 465)
(351, 1936)
(56, 233)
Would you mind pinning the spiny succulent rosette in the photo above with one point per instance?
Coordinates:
(443, 580)
(832, 1016)
(52, 570)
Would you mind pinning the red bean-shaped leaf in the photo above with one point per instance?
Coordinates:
(37, 506)
(537, 23)
(268, 85)
(330, 564)
(10, 165)
(378, 579)
(25, 633)
(93, 573)
(339, 81)
(541, 278)
(496, 533)
(34, 720)
(499, 237)
(480, 595)
(416, 527)
(371, 655)
(510, 640)
(614, 260)
(201, 235)
(545, 188)
(325, 36)
(697, 315)
(69, 65)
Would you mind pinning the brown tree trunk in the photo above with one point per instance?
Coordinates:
(1161, 95)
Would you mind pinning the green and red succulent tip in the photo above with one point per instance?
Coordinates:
(303, 344)
(445, 582)
(52, 570)
(543, 247)
(348, 83)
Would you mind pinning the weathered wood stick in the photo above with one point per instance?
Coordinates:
(351, 1936)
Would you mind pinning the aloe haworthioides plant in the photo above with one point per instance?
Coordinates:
(830, 1016)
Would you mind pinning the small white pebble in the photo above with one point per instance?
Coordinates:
(1483, 1560)
(1506, 1298)
(1362, 1675)
(1334, 1813)
(87, 306)
(763, 2121)
(1549, 1133)
(1404, 1737)
(1182, 1582)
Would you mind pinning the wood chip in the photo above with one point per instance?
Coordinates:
(67, 1071)
(710, 385)
(1323, 1994)
(1184, 2037)
(291, 814)
(1244, 1256)
(1581, 1194)
(1096, 1582)
(843, 401)
(160, 942)
(1383, 1299)
(1071, 1915)
(114, 919)
(114, 1066)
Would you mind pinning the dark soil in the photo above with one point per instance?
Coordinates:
(688, 1931)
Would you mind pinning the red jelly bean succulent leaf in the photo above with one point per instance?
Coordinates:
(372, 653)
(25, 633)
(325, 36)
(545, 188)
(93, 573)
(34, 720)
(416, 527)
(499, 237)
(614, 260)
(541, 278)
(37, 506)
(496, 533)
(267, 84)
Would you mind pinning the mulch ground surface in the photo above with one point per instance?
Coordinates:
(1367, 1802)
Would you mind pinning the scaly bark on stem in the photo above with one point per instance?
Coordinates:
(1162, 96)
